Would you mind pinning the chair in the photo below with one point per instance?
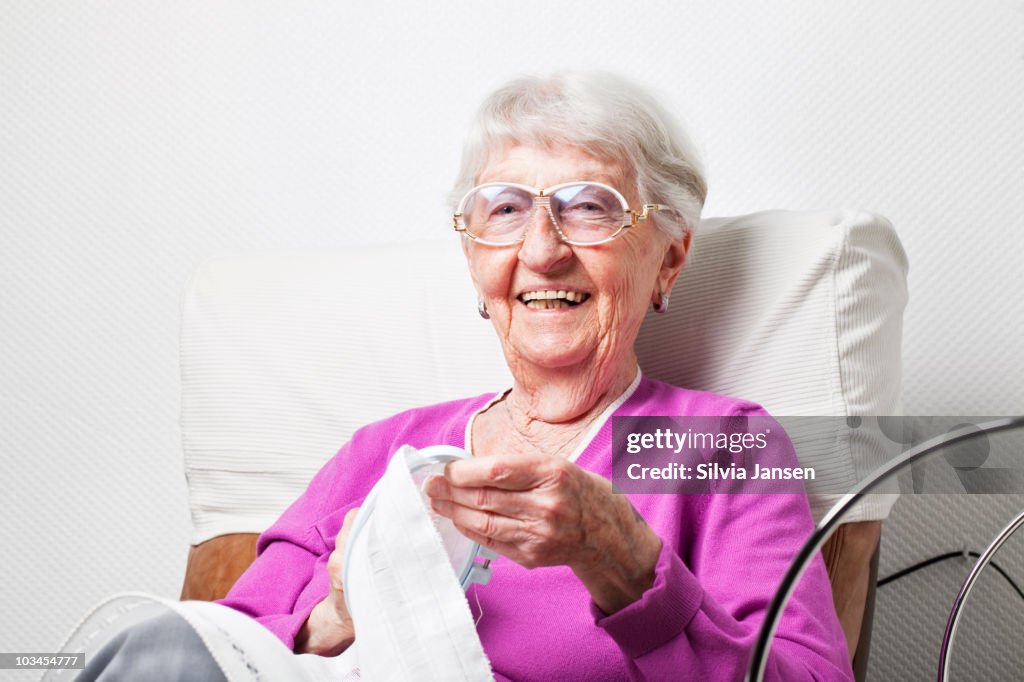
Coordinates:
(284, 355)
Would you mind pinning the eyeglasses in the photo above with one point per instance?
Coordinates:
(583, 213)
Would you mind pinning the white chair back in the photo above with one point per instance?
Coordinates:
(285, 355)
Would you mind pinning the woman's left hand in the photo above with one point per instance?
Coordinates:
(546, 511)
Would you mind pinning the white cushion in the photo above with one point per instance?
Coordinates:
(284, 355)
(801, 312)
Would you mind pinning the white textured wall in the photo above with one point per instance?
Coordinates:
(138, 138)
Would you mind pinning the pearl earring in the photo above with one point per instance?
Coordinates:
(662, 306)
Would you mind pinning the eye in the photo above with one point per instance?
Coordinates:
(504, 210)
(508, 202)
(590, 205)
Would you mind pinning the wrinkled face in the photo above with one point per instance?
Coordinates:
(554, 305)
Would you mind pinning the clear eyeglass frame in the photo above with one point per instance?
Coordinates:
(542, 197)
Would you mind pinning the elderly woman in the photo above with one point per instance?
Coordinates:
(577, 201)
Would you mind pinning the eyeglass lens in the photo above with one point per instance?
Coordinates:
(584, 212)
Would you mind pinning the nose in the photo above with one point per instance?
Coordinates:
(542, 250)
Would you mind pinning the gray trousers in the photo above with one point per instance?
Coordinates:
(162, 649)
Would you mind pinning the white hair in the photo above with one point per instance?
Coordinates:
(607, 117)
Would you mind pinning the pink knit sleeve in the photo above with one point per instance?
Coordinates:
(700, 618)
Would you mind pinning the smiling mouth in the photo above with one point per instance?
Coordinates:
(552, 298)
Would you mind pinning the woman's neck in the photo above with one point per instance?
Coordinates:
(567, 396)
(551, 411)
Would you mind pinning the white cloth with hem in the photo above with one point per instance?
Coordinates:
(411, 614)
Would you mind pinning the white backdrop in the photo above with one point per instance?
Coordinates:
(139, 138)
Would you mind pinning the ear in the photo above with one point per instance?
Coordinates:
(672, 264)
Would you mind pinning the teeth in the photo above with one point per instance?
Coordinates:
(552, 294)
(547, 303)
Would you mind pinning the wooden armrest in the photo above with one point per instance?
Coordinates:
(851, 557)
(215, 565)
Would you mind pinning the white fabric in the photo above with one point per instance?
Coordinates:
(411, 614)
(284, 355)
(244, 650)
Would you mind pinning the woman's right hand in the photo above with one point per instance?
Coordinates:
(329, 630)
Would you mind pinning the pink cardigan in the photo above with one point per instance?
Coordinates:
(722, 557)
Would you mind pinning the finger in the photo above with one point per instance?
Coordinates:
(511, 550)
(512, 503)
(335, 568)
(437, 487)
(481, 523)
(346, 527)
(505, 549)
(510, 472)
